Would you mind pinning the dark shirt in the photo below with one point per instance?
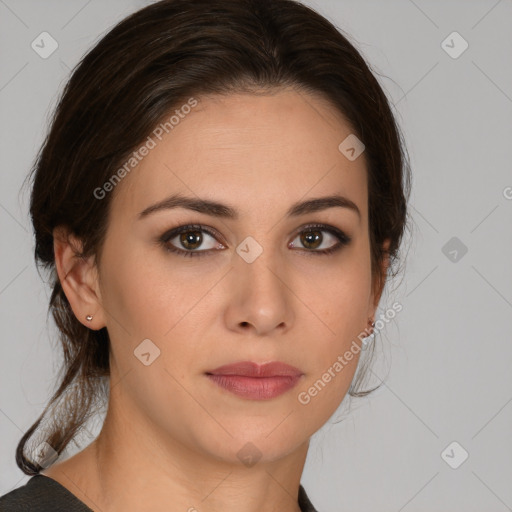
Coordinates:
(43, 494)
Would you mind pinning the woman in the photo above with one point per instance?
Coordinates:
(220, 200)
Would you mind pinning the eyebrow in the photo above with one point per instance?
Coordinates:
(216, 209)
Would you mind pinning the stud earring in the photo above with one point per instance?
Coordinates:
(88, 318)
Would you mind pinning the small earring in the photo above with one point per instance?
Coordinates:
(88, 318)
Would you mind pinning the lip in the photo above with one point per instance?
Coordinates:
(251, 369)
(254, 381)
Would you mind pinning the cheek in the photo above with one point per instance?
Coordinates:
(340, 306)
(154, 298)
(333, 358)
(140, 292)
(145, 301)
(340, 298)
(321, 395)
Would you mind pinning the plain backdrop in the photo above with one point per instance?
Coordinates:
(446, 357)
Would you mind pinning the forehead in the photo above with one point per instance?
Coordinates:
(251, 151)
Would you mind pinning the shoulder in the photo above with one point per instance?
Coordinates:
(41, 494)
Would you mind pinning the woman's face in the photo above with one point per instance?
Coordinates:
(254, 286)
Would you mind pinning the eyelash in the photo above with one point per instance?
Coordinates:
(343, 239)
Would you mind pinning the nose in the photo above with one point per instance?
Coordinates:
(260, 298)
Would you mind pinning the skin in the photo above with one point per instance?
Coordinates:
(171, 436)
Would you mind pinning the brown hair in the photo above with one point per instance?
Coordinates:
(149, 63)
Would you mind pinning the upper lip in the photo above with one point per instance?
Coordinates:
(251, 369)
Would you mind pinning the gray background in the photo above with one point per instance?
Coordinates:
(446, 358)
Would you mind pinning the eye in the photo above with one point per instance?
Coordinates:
(311, 238)
(190, 238)
(186, 240)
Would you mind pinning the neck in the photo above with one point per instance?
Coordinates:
(133, 466)
(145, 473)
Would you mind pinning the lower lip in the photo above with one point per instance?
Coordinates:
(256, 388)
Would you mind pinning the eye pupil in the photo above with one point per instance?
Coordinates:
(309, 238)
(188, 239)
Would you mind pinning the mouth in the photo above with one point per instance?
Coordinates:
(256, 382)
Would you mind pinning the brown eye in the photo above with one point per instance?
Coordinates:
(191, 239)
(311, 239)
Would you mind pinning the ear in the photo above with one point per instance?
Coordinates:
(378, 286)
(78, 277)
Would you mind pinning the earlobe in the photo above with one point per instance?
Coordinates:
(78, 277)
